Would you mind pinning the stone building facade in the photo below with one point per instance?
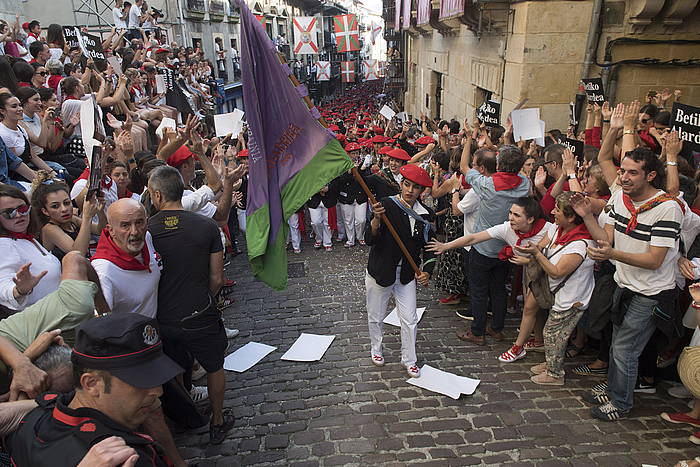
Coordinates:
(457, 53)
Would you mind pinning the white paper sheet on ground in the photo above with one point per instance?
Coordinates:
(167, 122)
(247, 356)
(308, 348)
(160, 84)
(443, 382)
(393, 317)
(526, 124)
(387, 112)
(230, 123)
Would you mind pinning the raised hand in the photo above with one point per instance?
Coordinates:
(606, 110)
(631, 116)
(673, 144)
(25, 281)
(540, 176)
(617, 118)
(568, 162)
(581, 204)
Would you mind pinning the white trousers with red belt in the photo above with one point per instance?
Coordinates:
(377, 300)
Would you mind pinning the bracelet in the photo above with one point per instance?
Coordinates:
(695, 306)
(606, 121)
(671, 163)
(571, 176)
(628, 132)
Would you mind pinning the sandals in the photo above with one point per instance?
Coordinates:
(573, 352)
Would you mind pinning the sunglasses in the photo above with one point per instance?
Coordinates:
(644, 120)
(42, 73)
(18, 211)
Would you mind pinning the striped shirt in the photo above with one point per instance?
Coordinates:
(659, 226)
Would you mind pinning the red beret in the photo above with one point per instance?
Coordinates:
(243, 153)
(425, 140)
(385, 150)
(379, 139)
(378, 130)
(25, 25)
(416, 174)
(399, 154)
(161, 50)
(352, 147)
(367, 144)
(178, 157)
(334, 127)
(361, 140)
(340, 137)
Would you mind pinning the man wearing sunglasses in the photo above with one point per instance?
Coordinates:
(553, 166)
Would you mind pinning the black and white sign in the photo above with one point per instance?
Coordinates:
(71, 34)
(92, 46)
(685, 119)
(574, 145)
(594, 90)
(489, 113)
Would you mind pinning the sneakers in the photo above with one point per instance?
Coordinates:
(198, 372)
(497, 335)
(349, 245)
(317, 245)
(601, 388)
(644, 388)
(680, 418)
(597, 395)
(329, 248)
(513, 354)
(534, 345)
(586, 370)
(607, 412)
(224, 303)
(361, 242)
(199, 393)
(413, 371)
(297, 251)
(464, 315)
(547, 380)
(679, 392)
(470, 337)
(217, 433)
(377, 360)
(539, 368)
(231, 333)
(451, 300)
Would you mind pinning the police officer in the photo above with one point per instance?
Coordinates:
(118, 367)
(388, 272)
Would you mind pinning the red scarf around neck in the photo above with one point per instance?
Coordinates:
(107, 249)
(580, 232)
(507, 251)
(19, 236)
(647, 206)
(505, 180)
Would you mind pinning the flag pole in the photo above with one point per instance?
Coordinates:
(360, 180)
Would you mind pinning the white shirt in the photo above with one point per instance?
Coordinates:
(34, 125)
(578, 287)
(17, 253)
(134, 17)
(131, 291)
(14, 139)
(119, 23)
(199, 201)
(505, 232)
(469, 206)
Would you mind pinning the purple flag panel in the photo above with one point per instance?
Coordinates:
(397, 15)
(423, 13)
(406, 14)
(283, 136)
(449, 8)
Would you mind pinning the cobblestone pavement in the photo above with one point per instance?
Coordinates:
(344, 411)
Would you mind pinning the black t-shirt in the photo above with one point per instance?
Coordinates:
(184, 240)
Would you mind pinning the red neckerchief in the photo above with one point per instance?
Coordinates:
(580, 232)
(507, 251)
(35, 36)
(127, 194)
(645, 136)
(695, 210)
(107, 249)
(85, 175)
(505, 180)
(19, 236)
(647, 206)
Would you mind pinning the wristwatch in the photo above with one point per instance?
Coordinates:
(671, 163)
(628, 132)
(571, 176)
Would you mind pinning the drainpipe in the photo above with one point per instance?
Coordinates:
(183, 26)
(593, 37)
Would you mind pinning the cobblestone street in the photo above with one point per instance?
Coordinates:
(344, 411)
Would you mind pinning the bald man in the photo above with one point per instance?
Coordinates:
(125, 261)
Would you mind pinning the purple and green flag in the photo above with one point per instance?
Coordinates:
(292, 156)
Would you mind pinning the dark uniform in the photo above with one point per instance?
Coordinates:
(53, 435)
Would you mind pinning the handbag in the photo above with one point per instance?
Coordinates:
(537, 280)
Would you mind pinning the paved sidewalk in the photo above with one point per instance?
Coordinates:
(344, 411)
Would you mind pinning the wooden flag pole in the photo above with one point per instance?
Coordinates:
(361, 181)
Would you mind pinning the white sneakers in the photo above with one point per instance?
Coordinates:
(412, 370)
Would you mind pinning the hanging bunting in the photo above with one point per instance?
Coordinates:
(376, 29)
(305, 36)
(347, 72)
(323, 71)
(347, 34)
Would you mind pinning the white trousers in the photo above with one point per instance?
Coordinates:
(377, 300)
(294, 231)
(354, 216)
(340, 221)
(319, 223)
(241, 219)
